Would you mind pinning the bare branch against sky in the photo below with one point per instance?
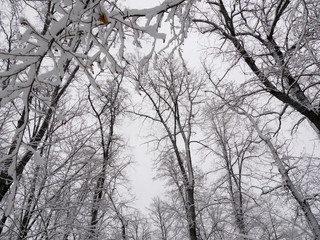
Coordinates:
(171, 120)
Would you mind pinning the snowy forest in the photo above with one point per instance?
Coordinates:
(232, 132)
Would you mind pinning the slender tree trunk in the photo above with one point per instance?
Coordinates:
(234, 186)
(191, 213)
(24, 225)
(300, 199)
(5, 179)
(123, 229)
(98, 194)
(174, 110)
(3, 222)
(237, 206)
(107, 151)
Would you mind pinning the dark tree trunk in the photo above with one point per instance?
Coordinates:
(191, 213)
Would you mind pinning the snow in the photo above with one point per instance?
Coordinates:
(60, 117)
(59, 9)
(12, 169)
(17, 68)
(26, 35)
(38, 159)
(11, 197)
(58, 26)
(155, 10)
(45, 76)
(8, 95)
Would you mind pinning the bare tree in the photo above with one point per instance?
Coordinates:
(242, 105)
(273, 39)
(107, 117)
(288, 183)
(160, 216)
(235, 148)
(166, 220)
(175, 96)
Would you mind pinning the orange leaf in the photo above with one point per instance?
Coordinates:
(103, 18)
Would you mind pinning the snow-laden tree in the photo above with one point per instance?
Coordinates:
(62, 174)
(277, 41)
(46, 45)
(81, 182)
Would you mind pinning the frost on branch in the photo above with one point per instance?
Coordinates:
(61, 41)
(83, 33)
(77, 30)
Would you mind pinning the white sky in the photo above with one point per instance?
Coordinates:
(141, 173)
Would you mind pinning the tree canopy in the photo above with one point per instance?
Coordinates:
(235, 140)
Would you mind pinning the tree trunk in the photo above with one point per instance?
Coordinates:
(191, 213)
(24, 224)
(310, 217)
